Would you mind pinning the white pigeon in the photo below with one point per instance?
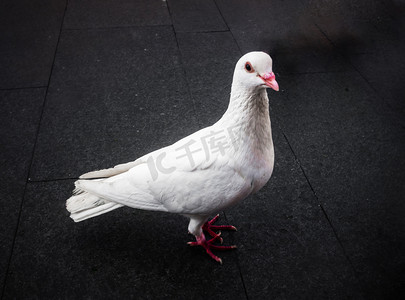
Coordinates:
(201, 174)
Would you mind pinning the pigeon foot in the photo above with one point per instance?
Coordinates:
(208, 227)
(208, 245)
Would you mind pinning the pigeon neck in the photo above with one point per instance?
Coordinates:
(248, 117)
(248, 106)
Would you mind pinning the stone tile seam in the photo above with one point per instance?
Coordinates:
(240, 52)
(195, 111)
(115, 27)
(227, 25)
(31, 160)
(24, 88)
(203, 31)
(324, 212)
(50, 179)
(238, 263)
(182, 66)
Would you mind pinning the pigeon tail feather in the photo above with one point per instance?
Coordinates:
(83, 205)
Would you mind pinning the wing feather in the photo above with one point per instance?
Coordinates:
(174, 179)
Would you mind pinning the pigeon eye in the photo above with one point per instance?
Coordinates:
(249, 68)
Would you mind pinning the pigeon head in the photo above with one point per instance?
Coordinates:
(254, 71)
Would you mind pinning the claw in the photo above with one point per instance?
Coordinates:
(213, 220)
(208, 227)
(226, 227)
(208, 246)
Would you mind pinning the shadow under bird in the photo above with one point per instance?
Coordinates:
(201, 174)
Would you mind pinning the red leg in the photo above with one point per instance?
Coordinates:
(208, 227)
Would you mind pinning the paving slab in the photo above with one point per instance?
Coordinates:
(369, 35)
(19, 117)
(384, 72)
(351, 146)
(97, 14)
(29, 33)
(196, 16)
(115, 95)
(380, 60)
(120, 88)
(283, 30)
(352, 25)
(124, 254)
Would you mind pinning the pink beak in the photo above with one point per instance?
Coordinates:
(270, 80)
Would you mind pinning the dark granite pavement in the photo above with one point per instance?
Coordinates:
(88, 84)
